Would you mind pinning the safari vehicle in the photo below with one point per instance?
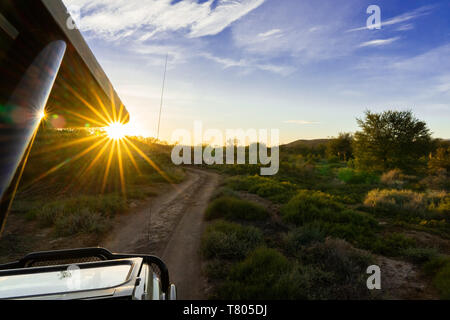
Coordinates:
(91, 273)
(48, 69)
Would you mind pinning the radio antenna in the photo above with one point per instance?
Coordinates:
(162, 97)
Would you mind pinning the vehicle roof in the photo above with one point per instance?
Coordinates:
(82, 93)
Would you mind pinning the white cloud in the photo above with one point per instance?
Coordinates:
(226, 62)
(270, 33)
(315, 28)
(435, 60)
(226, 12)
(298, 31)
(444, 86)
(154, 28)
(378, 42)
(250, 64)
(282, 70)
(176, 54)
(405, 27)
(415, 82)
(116, 19)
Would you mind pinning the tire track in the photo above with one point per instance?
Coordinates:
(170, 226)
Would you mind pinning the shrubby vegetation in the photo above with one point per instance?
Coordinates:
(394, 178)
(420, 255)
(353, 176)
(308, 206)
(330, 270)
(231, 208)
(265, 187)
(439, 269)
(226, 240)
(303, 236)
(408, 203)
(257, 277)
(83, 214)
(342, 203)
(396, 201)
(442, 281)
(440, 159)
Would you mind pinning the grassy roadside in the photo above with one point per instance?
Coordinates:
(324, 234)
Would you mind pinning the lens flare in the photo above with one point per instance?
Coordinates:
(116, 131)
(42, 115)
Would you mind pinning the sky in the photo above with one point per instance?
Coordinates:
(308, 68)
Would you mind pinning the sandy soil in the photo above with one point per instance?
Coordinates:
(170, 226)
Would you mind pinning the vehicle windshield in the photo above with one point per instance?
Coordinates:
(71, 279)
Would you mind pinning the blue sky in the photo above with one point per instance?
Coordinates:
(308, 68)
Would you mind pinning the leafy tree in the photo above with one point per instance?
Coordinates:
(391, 139)
(341, 147)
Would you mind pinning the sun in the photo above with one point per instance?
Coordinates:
(41, 115)
(116, 131)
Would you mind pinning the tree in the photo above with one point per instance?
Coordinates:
(390, 140)
(341, 146)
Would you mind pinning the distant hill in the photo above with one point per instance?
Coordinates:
(306, 143)
(302, 143)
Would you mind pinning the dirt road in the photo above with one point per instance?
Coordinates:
(170, 226)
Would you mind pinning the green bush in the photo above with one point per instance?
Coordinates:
(305, 282)
(308, 206)
(420, 255)
(218, 269)
(257, 277)
(393, 178)
(225, 240)
(345, 193)
(346, 264)
(409, 205)
(396, 201)
(393, 244)
(330, 270)
(330, 216)
(303, 236)
(46, 214)
(442, 281)
(83, 221)
(444, 206)
(225, 192)
(269, 188)
(235, 209)
(433, 266)
(82, 214)
(352, 176)
(438, 201)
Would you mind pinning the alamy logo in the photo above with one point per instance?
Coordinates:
(74, 19)
(374, 280)
(238, 144)
(72, 277)
(374, 20)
